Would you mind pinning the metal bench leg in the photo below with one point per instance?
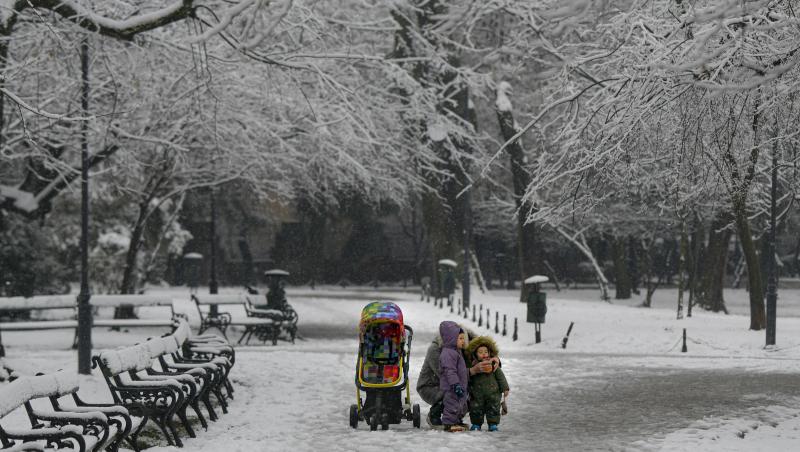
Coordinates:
(162, 425)
(211, 413)
(246, 330)
(228, 388)
(196, 408)
(185, 421)
(171, 426)
(222, 403)
(133, 437)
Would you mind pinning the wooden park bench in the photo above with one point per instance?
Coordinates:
(69, 302)
(86, 429)
(261, 327)
(286, 320)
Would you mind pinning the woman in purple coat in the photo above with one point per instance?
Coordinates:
(454, 376)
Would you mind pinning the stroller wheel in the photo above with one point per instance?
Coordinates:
(373, 422)
(385, 421)
(415, 417)
(354, 416)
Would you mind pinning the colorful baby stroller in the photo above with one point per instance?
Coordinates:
(384, 352)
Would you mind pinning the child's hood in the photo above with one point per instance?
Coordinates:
(470, 334)
(449, 332)
(483, 341)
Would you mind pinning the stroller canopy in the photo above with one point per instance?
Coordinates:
(380, 312)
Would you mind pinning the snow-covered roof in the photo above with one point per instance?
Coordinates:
(192, 256)
(537, 279)
(276, 272)
(448, 262)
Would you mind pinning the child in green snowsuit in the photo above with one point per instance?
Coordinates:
(487, 390)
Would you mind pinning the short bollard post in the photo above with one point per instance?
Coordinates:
(488, 316)
(480, 315)
(566, 336)
(496, 322)
(505, 331)
(465, 310)
(451, 307)
(514, 337)
(474, 318)
(684, 349)
(459, 308)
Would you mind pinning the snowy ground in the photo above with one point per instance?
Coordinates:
(621, 384)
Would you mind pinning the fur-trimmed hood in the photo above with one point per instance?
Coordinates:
(483, 340)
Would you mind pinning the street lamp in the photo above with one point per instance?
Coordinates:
(772, 279)
(465, 280)
(213, 286)
(84, 308)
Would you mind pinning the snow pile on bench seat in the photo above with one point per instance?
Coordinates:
(114, 301)
(24, 389)
(119, 361)
(237, 298)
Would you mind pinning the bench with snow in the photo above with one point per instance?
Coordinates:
(286, 317)
(49, 302)
(155, 381)
(82, 427)
(261, 327)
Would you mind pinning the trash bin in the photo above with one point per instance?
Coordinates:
(447, 279)
(537, 303)
(192, 267)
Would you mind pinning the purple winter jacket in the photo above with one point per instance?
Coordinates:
(452, 368)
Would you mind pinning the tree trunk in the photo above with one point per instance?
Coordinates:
(682, 261)
(634, 267)
(445, 215)
(622, 280)
(757, 312)
(709, 294)
(129, 271)
(528, 249)
(694, 259)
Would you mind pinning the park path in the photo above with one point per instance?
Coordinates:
(296, 397)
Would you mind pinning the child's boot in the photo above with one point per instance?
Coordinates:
(493, 427)
(475, 427)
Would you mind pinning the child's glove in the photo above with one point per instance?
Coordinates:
(458, 390)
